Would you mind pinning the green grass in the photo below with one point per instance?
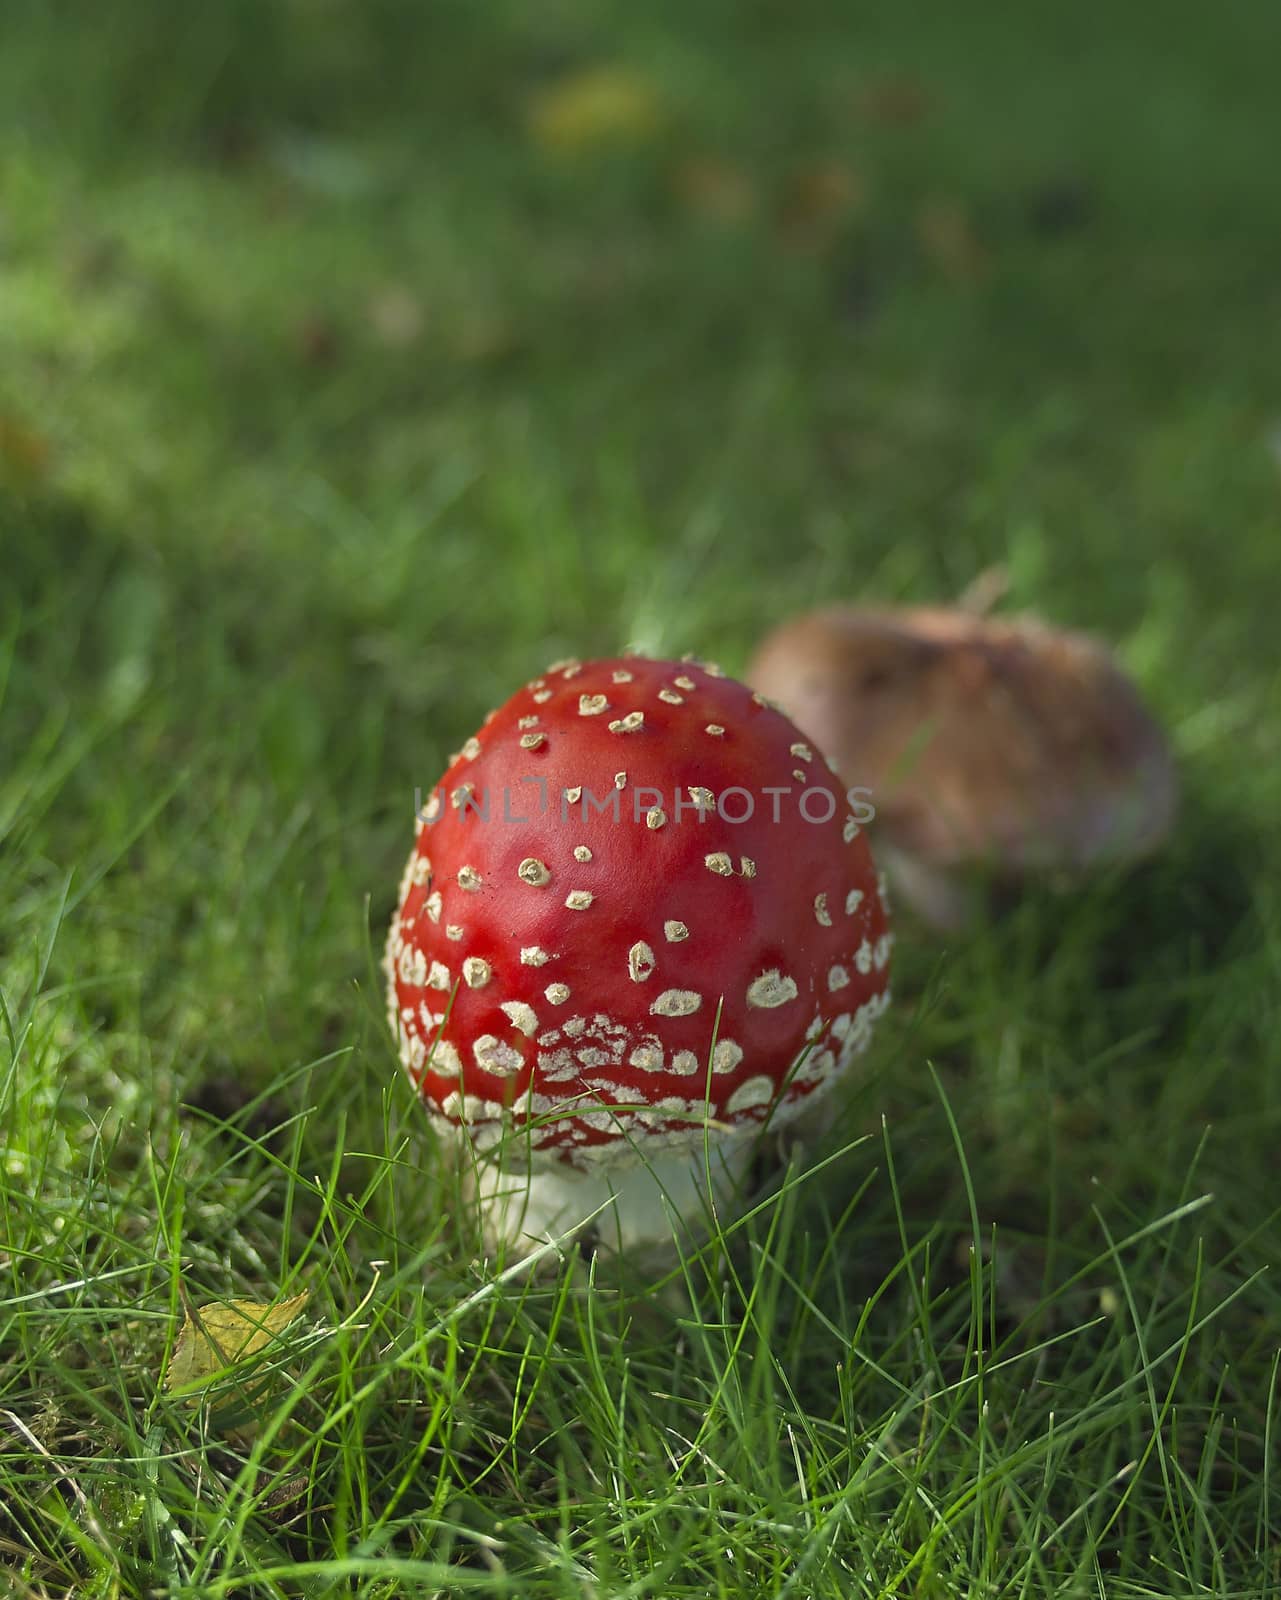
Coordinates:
(269, 548)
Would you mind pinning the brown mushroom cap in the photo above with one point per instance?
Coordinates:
(997, 741)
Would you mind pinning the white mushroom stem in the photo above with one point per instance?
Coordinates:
(628, 1206)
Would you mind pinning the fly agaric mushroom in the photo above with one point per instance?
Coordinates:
(1003, 743)
(639, 919)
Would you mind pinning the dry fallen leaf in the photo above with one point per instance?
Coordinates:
(947, 236)
(224, 1333)
(286, 1493)
(317, 341)
(818, 200)
(24, 453)
(593, 107)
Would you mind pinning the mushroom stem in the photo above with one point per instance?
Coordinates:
(628, 1206)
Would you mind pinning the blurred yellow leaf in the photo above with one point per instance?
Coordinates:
(593, 107)
(224, 1333)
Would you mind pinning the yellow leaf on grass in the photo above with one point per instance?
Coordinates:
(597, 106)
(224, 1333)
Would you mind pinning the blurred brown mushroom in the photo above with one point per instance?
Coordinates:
(997, 743)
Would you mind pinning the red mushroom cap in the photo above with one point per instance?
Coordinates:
(637, 900)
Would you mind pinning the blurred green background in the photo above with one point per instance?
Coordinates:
(716, 307)
(359, 356)
(355, 358)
